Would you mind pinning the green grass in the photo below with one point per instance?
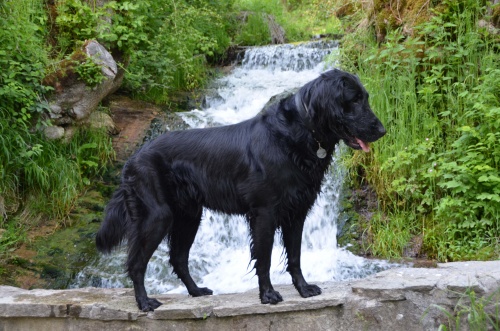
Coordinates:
(391, 235)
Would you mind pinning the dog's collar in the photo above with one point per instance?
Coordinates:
(306, 118)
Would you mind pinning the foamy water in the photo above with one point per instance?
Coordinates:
(220, 256)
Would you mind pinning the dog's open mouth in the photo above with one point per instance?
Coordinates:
(357, 143)
(354, 142)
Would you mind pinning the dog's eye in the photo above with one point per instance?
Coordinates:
(358, 98)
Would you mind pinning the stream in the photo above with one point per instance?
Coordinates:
(220, 256)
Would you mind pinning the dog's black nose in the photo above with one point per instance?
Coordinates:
(381, 130)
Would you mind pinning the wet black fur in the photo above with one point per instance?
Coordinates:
(265, 168)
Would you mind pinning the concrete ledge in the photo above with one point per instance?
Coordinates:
(397, 299)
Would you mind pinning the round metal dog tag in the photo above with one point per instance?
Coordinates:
(321, 153)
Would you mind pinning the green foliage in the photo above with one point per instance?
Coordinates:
(118, 25)
(76, 21)
(127, 30)
(438, 95)
(180, 41)
(36, 176)
(316, 17)
(22, 60)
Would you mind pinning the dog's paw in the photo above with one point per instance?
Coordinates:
(309, 290)
(148, 304)
(201, 291)
(270, 296)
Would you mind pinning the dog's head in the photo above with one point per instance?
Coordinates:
(339, 106)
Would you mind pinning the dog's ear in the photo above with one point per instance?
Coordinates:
(353, 90)
(327, 99)
(328, 95)
(285, 105)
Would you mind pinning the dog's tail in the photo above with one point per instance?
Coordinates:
(114, 227)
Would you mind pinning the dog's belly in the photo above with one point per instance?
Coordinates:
(227, 206)
(222, 196)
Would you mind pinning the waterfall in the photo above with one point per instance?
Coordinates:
(220, 256)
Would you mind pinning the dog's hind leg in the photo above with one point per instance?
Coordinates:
(144, 241)
(262, 228)
(292, 237)
(184, 230)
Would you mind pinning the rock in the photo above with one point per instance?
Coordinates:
(132, 119)
(396, 299)
(277, 32)
(102, 57)
(74, 101)
(53, 132)
(99, 120)
(277, 98)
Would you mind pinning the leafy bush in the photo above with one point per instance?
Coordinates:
(180, 42)
(120, 26)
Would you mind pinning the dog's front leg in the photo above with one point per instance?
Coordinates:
(262, 228)
(292, 238)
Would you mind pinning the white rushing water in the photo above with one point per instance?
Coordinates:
(220, 256)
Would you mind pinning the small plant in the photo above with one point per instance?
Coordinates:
(89, 72)
(477, 313)
(10, 235)
(76, 66)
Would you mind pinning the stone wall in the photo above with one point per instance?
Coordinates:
(397, 299)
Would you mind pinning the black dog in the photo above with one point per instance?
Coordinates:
(268, 168)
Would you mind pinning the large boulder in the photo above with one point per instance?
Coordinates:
(74, 100)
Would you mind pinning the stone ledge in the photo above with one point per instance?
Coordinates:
(395, 299)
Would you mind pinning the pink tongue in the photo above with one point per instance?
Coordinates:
(364, 146)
